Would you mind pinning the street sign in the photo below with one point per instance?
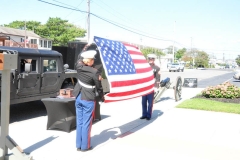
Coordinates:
(190, 82)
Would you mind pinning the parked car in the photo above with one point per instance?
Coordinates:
(176, 67)
(237, 75)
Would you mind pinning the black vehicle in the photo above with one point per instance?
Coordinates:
(39, 74)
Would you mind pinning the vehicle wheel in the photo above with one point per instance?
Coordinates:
(169, 70)
(182, 70)
(178, 89)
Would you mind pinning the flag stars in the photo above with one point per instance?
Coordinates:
(116, 58)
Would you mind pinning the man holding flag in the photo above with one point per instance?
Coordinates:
(147, 100)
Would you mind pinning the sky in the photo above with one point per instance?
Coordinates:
(212, 26)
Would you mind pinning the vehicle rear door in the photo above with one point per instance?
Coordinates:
(51, 75)
(28, 81)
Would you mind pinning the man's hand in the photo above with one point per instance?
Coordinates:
(100, 78)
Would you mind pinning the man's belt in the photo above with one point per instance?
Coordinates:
(85, 85)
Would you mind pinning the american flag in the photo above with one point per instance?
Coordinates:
(128, 73)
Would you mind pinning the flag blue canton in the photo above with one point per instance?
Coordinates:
(115, 56)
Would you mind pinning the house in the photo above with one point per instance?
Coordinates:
(16, 38)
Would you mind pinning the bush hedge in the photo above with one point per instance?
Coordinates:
(224, 90)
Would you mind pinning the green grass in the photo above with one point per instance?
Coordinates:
(209, 105)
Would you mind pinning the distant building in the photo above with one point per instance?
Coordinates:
(16, 38)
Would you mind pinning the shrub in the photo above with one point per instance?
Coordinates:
(224, 90)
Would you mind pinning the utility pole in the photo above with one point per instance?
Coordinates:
(192, 52)
(25, 35)
(88, 20)
(173, 42)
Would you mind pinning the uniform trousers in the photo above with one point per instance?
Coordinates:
(84, 117)
(147, 105)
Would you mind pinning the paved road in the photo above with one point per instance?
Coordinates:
(208, 77)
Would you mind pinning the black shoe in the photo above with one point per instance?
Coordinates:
(148, 119)
(90, 148)
(143, 117)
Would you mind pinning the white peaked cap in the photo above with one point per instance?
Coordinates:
(89, 54)
(151, 55)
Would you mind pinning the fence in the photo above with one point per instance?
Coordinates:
(10, 43)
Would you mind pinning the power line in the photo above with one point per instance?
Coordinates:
(69, 5)
(124, 18)
(127, 28)
(113, 23)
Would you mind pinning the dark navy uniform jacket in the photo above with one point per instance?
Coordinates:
(87, 75)
(156, 69)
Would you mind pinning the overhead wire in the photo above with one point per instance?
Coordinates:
(69, 6)
(126, 19)
(120, 26)
(113, 23)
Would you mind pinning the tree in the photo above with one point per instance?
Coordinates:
(201, 59)
(170, 50)
(238, 60)
(56, 29)
(60, 31)
(149, 50)
(186, 58)
(179, 54)
(30, 25)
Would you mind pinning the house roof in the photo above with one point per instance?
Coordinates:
(17, 32)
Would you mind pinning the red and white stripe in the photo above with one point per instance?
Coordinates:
(123, 87)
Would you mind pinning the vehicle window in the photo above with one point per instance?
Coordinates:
(31, 61)
(49, 65)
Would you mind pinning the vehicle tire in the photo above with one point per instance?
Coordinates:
(182, 70)
(169, 70)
